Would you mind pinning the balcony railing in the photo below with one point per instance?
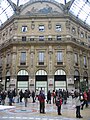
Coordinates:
(64, 39)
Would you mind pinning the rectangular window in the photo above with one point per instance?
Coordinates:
(24, 38)
(32, 38)
(85, 61)
(58, 28)
(41, 58)
(23, 58)
(0, 61)
(24, 28)
(41, 38)
(41, 28)
(50, 38)
(8, 59)
(76, 58)
(59, 37)
(59, 57)
(82, 35)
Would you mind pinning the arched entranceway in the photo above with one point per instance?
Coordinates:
(60, 80)
(22, 80)
(77, 79)
(7, 81)
(41, 80)
(85, 76)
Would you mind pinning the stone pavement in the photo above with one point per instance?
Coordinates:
(19, 112)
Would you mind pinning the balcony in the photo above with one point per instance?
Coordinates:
(65, 39)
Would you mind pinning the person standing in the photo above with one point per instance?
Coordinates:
(78, 105)
(54, 96)
(33, 96)
(58, 104)
(41, 99)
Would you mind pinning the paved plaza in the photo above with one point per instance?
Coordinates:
(19, 112)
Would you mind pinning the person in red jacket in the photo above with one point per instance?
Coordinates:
(85, 100)
(41, 99)
(58, 104)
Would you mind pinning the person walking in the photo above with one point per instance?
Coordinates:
(26, 97)
(85, 100)
(78, 105)
(3, 97)
(58, 104)
(10, 96)
(21, 95)
(49, 97)
(41, 99)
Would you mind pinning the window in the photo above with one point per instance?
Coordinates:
(76, 59)
(23, 58)
(41, 58)
(8, 59)
(59, 37)
(24, 38)
(85, 61)
(50, 37)
(41, 38)
(32, 38)
(24, 28)
(58, 28)
(82, 35)
(73, 30)
(89, 39)
(59, 57)
(41, 28)
(0, 61)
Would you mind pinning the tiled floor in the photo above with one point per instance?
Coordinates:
(19, 112)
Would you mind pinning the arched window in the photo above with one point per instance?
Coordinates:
(41, 72)
(22, 72)
(60, 72)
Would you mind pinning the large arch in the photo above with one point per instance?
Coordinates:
(60, 79)
(41, 80)
(23, 80)
(77, 79)
(85, 76)
(7, 80)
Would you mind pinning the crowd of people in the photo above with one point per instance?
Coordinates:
(57, 97)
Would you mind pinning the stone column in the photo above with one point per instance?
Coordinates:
(13, 77)
(32, 69)
(70, 69)
(50, 68)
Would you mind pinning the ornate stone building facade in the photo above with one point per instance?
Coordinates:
(44, 46)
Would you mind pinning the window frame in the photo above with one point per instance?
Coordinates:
(23, 58)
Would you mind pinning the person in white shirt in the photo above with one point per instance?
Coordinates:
(78, 105)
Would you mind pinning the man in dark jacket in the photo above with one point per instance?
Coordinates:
(26, 97)
(10, 96)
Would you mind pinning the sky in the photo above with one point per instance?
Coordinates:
(62, 1)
